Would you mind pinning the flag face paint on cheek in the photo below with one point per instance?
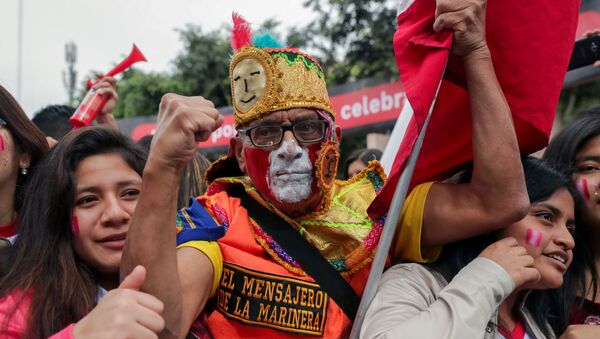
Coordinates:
(257, 167)
(581, 185)
(75, 226)
(534, 237)
(1, 144)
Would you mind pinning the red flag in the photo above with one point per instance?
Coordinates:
(530, 43)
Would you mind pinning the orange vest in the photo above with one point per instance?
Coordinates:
(257, 297)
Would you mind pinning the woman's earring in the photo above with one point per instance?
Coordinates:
(24, 171)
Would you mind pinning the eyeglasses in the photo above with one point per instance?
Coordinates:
(306, 131)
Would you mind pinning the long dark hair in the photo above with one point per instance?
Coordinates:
(27, 137)
(42, 260)
(542, 181)
(564, 147)
(561, 152)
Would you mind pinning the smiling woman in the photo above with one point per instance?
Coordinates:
(106, 193)
(491, 286)
(72, 235)
(576, 150)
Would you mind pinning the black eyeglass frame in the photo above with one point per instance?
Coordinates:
(285, 128)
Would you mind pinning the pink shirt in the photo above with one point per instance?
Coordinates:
(13, 321)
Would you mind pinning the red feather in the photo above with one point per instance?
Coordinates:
(240, 34)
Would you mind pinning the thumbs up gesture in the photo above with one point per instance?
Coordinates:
(124, 312)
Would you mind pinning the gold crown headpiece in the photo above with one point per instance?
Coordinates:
(266, 77)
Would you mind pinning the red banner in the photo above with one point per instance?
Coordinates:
(364, 107)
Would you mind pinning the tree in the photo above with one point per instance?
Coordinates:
(201, 68)
(140, 93)
(574, 100)
(353, 39)
(204, 64)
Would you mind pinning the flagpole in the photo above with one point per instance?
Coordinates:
(389, 228)
(400, 127)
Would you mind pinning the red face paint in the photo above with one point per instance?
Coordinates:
(75, 226)
(534, 237)
(582, 187)
(1, 144)
(257, 166)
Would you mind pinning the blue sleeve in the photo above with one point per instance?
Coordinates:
(194, 223)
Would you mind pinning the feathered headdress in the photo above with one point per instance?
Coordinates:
(240, 34)
(266, 76)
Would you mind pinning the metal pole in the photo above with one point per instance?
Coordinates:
(389, 229)
(19, 48)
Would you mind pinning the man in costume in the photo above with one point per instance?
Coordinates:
(280, 174)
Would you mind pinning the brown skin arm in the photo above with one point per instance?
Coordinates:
(151, 239)
(196, 280)
(496, 196)
(154, 247)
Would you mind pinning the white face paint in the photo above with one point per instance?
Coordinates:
(290, 173)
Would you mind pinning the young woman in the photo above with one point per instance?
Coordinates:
(481, 287)
(576, 150)
(73, 225)
(22, 145)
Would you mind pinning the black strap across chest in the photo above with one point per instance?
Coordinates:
(309, 258)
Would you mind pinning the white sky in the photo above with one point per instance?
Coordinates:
(104, 31)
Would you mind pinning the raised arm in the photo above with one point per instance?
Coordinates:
(496, 195)
(151, 240)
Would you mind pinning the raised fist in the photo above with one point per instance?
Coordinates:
(182, 123)
(466, 18)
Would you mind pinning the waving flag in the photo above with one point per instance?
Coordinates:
(530, 43)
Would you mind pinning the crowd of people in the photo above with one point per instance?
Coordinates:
(103, 237)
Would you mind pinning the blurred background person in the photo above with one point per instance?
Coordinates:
(492, 285)
(359, 159)
(53, 120)
(576, 151)
(22, 145)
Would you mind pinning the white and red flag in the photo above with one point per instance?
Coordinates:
(530, 43)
